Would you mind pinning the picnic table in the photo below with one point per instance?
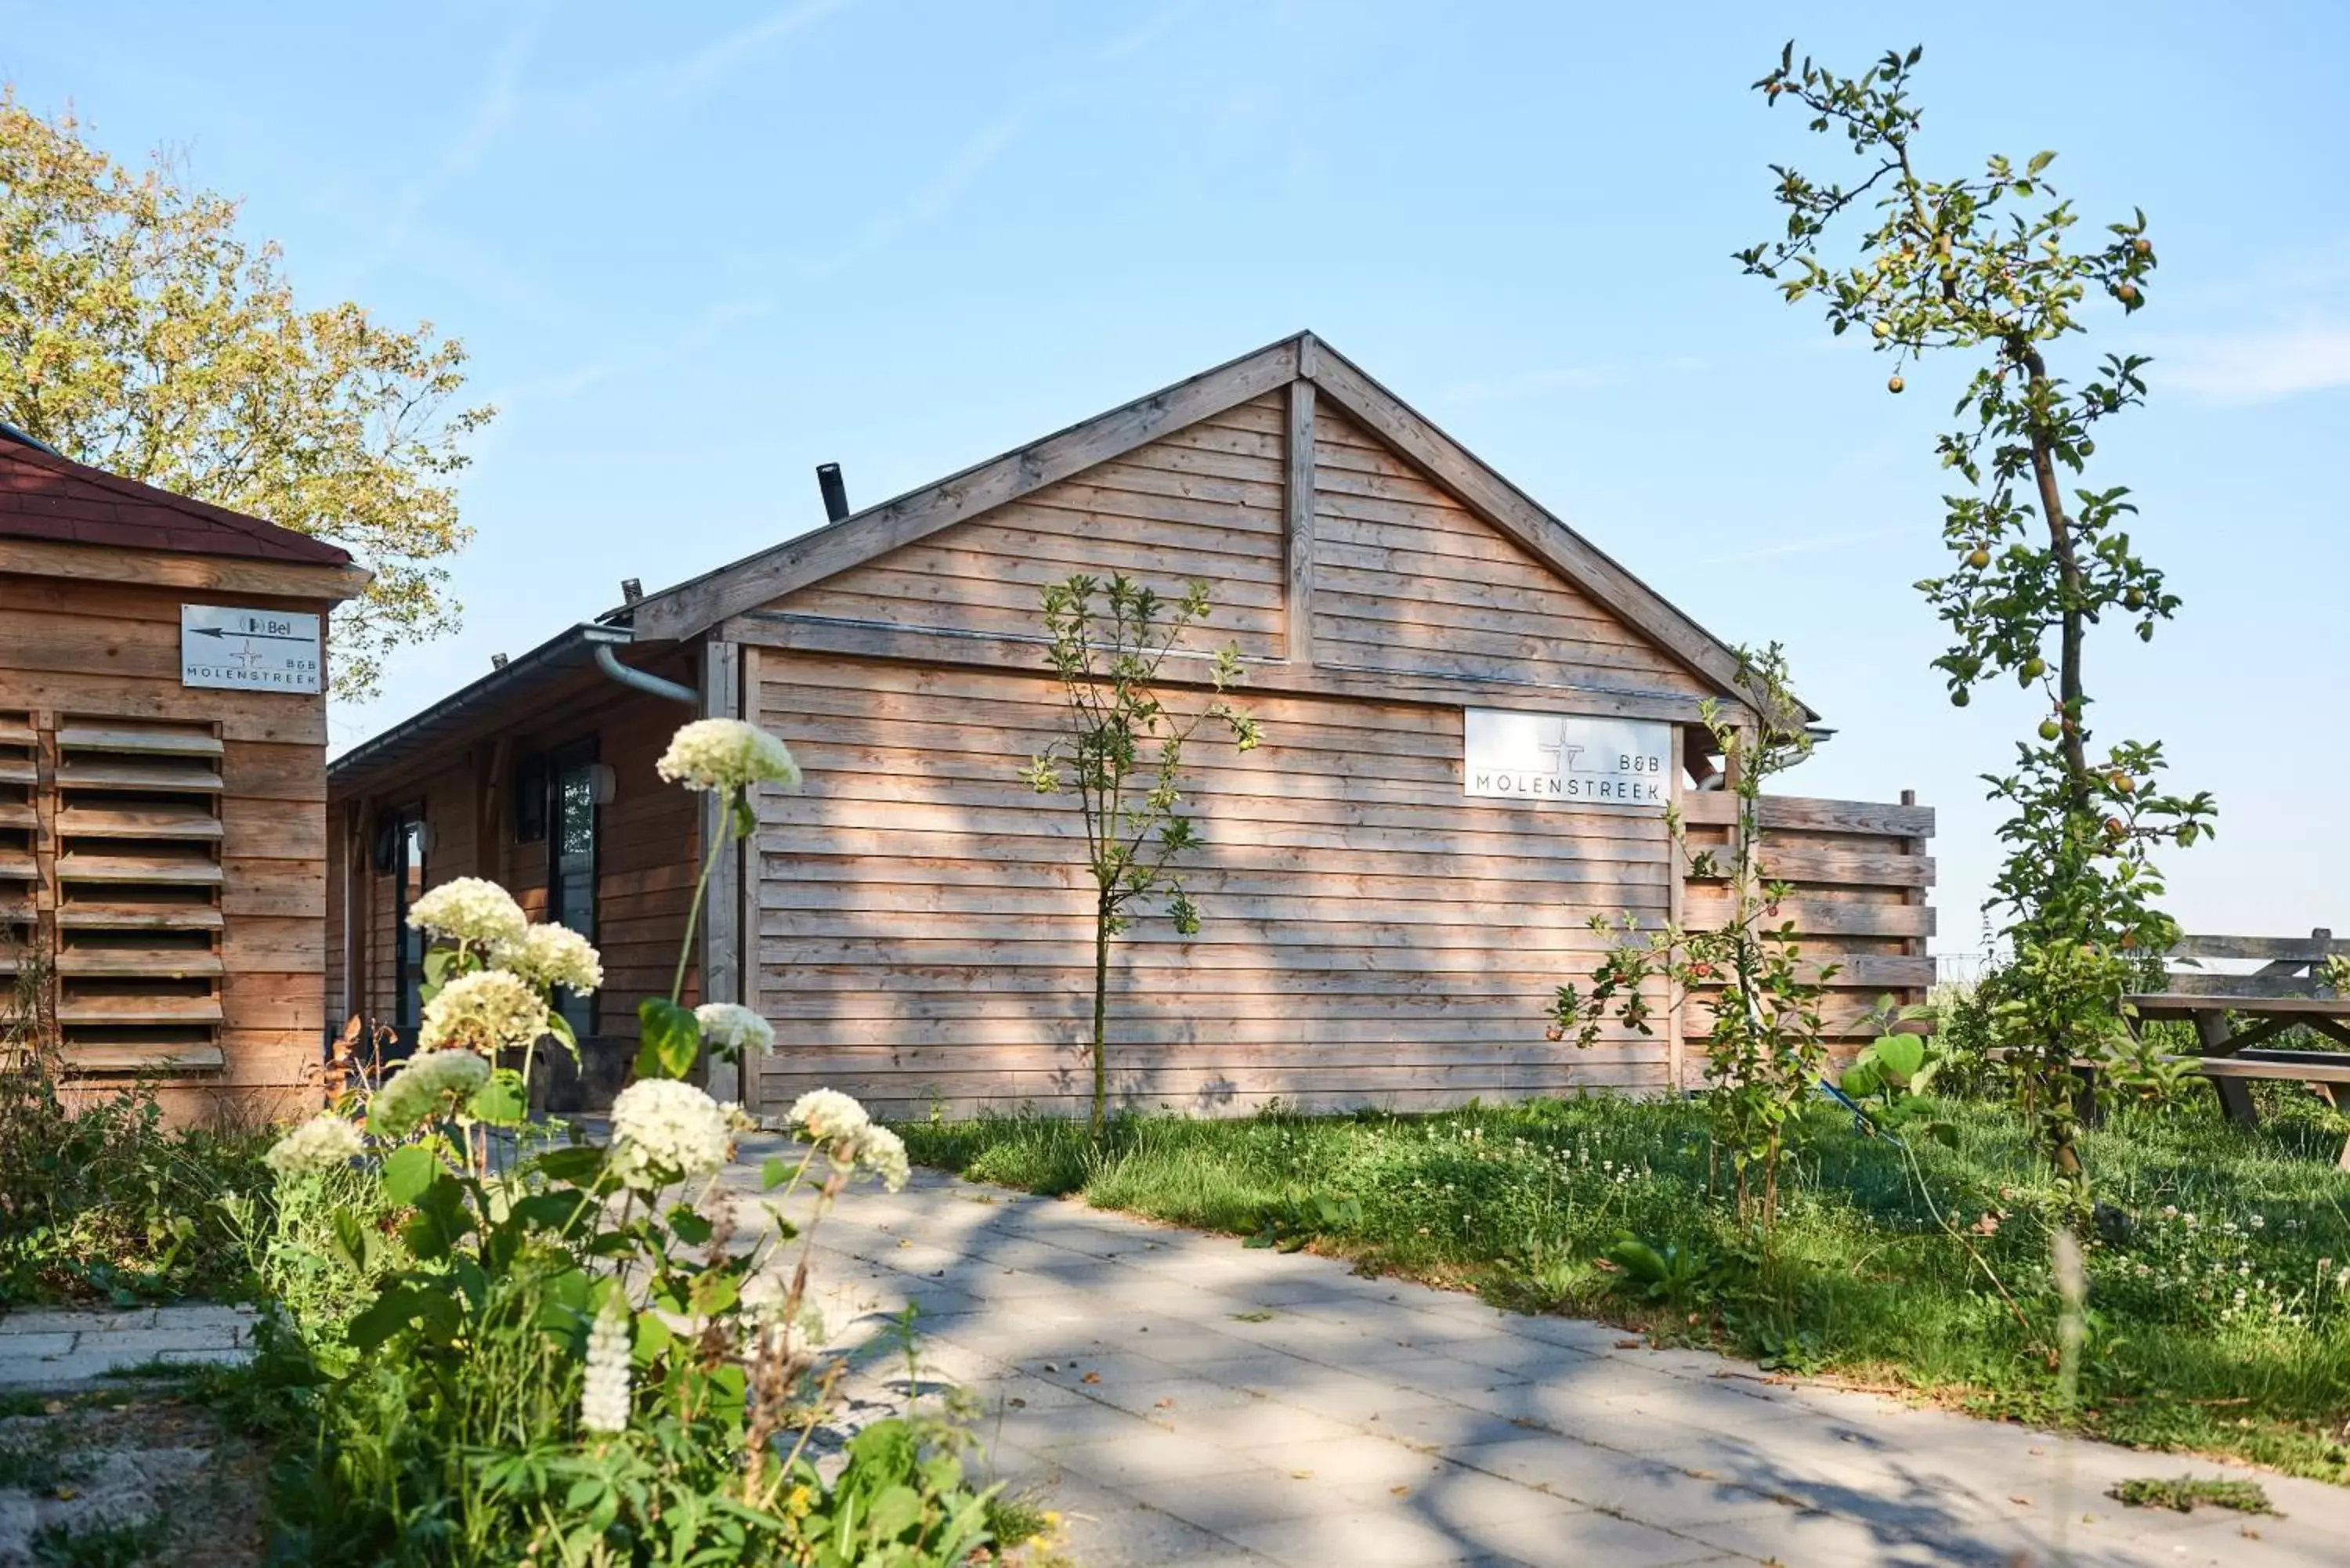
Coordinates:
(2235, 1014)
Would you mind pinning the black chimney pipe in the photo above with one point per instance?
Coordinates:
(836, 492)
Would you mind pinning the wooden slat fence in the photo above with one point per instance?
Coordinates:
(1859, 874)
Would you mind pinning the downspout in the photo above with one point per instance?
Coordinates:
(636, 680)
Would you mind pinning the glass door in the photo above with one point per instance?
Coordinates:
(571, 862)
(408, 943)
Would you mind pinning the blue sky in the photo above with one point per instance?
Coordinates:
(696, 250)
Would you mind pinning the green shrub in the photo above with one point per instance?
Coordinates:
(98, 1198)
(505, 1346)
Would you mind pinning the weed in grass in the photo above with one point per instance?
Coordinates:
(98, 1199)
(2218, 1309)
(101, 1546)
(1017, 1518)
(38, 1466)
(2184, 1492)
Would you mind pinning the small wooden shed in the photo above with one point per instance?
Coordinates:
(162, 780)
(1473, 722)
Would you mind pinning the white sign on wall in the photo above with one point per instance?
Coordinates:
(248, 650)
(1558, 757)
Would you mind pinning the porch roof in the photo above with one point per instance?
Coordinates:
(515, 687)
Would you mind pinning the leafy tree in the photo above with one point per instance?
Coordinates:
(1767, 1042)
(1986, 269)
(139, 335)
(1120, 752)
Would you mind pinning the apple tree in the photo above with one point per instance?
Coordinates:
(1987, 269)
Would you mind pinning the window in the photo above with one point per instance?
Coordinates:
(571, 860)
(408, 841)
(530, 800)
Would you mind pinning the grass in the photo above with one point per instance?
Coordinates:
(2220, 1308)
(2182, 1493)
(100, 1200)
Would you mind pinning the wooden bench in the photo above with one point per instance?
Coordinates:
(2235, 1014)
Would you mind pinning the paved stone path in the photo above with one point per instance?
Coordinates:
(62, 1347)
(1186, 1401)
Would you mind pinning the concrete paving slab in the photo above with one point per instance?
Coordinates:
(1181, 1402)
(1157, 1456)
(1237, 1503)
(1105, 1526)
(1582, 1539)
(1448, 1426)
(74, 1320)
(45, 1346)
(1613, 1482)
(1386, 1539)
(1370, 1421)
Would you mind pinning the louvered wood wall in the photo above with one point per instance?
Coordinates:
(161, 848)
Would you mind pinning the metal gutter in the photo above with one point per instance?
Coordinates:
(558, 653)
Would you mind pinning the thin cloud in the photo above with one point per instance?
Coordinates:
(1804, 547)
(931, 200)
(2258, 367)
(684, 81)
(1535, 384)
(715, 324)
(980, 151)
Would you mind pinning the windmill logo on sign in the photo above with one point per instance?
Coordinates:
(249, 649)
(1565, 758)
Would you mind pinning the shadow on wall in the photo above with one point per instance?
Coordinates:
(1369, 937)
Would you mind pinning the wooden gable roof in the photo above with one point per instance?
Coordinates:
(693, 606)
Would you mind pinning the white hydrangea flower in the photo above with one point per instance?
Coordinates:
(664, 1131)
(326, 1142)
(604, 1399)
(732, 1026)
(487, 1011)
(552, 955)
(883, 1153)
(726, 754)
(423, 1084)
(827, 1116)
(470, 909)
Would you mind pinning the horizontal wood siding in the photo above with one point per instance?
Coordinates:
(1371, 936)
(1407, 579)
(1204, 501)
(648, 852)
(646, 840)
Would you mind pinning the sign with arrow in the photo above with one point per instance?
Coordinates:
(248, 650)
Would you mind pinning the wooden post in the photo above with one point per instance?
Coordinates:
(1914, 946)
(45, 871)
(1675, 903)
(747, 973)
(1298, 496)
(721, 918)
(2235, 1095)
(490, 783)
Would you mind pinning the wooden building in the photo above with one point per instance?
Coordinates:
(1392, 884)
(162, 780)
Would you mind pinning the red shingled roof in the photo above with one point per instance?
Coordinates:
(44, 496)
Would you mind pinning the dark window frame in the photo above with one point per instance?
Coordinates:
(531, 798)
(407, 972)
(582, 752)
